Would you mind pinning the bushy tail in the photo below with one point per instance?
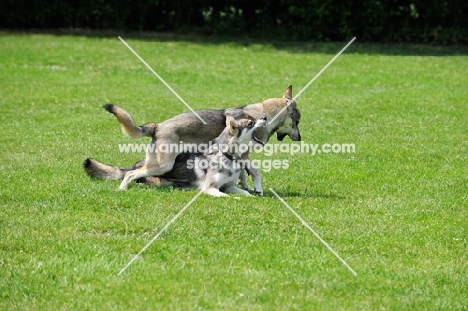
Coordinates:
(100, 170)
(128, 127)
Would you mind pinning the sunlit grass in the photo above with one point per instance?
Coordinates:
(395, 209)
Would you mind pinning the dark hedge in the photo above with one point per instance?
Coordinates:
(320, 20)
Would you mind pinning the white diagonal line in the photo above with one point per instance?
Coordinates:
(324, 68)
(313, 79)
(162, 80)
(159, 233)
(313, 231)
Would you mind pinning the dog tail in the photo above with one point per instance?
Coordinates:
(96, 169)
(100, 170)
(126, 123)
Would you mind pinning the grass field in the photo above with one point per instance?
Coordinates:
(395, 210)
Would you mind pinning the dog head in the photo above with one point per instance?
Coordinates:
(241, 135)
(290, 125)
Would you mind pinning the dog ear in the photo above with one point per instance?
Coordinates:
(233, 126)
(288, 93)
(229, 118)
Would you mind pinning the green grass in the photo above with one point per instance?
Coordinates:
(396, 210)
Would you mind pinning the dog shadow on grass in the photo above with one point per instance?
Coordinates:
(295, 194)
(286, 193)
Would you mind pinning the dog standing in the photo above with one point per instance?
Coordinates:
(189, 129)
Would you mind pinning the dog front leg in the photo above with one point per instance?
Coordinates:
(257, 179)
(243, 180)
(254, 172)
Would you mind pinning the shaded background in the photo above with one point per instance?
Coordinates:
(418, 21)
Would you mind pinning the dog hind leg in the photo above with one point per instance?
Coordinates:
(156, 164)
(234, 189)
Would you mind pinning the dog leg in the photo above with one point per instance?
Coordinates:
(144, 172)
(254, 172)
(214, 192)
(156, 164)
(234, 189)
(245, 165)
(257, 179)
(243, 181)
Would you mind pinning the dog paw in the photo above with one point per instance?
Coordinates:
(217, 194)
(259, 193)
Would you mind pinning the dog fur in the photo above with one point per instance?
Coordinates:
(189, 129)
(221, 163)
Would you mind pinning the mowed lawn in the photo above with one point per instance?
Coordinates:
(395, 210)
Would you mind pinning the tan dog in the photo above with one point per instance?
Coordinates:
(189, 129)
